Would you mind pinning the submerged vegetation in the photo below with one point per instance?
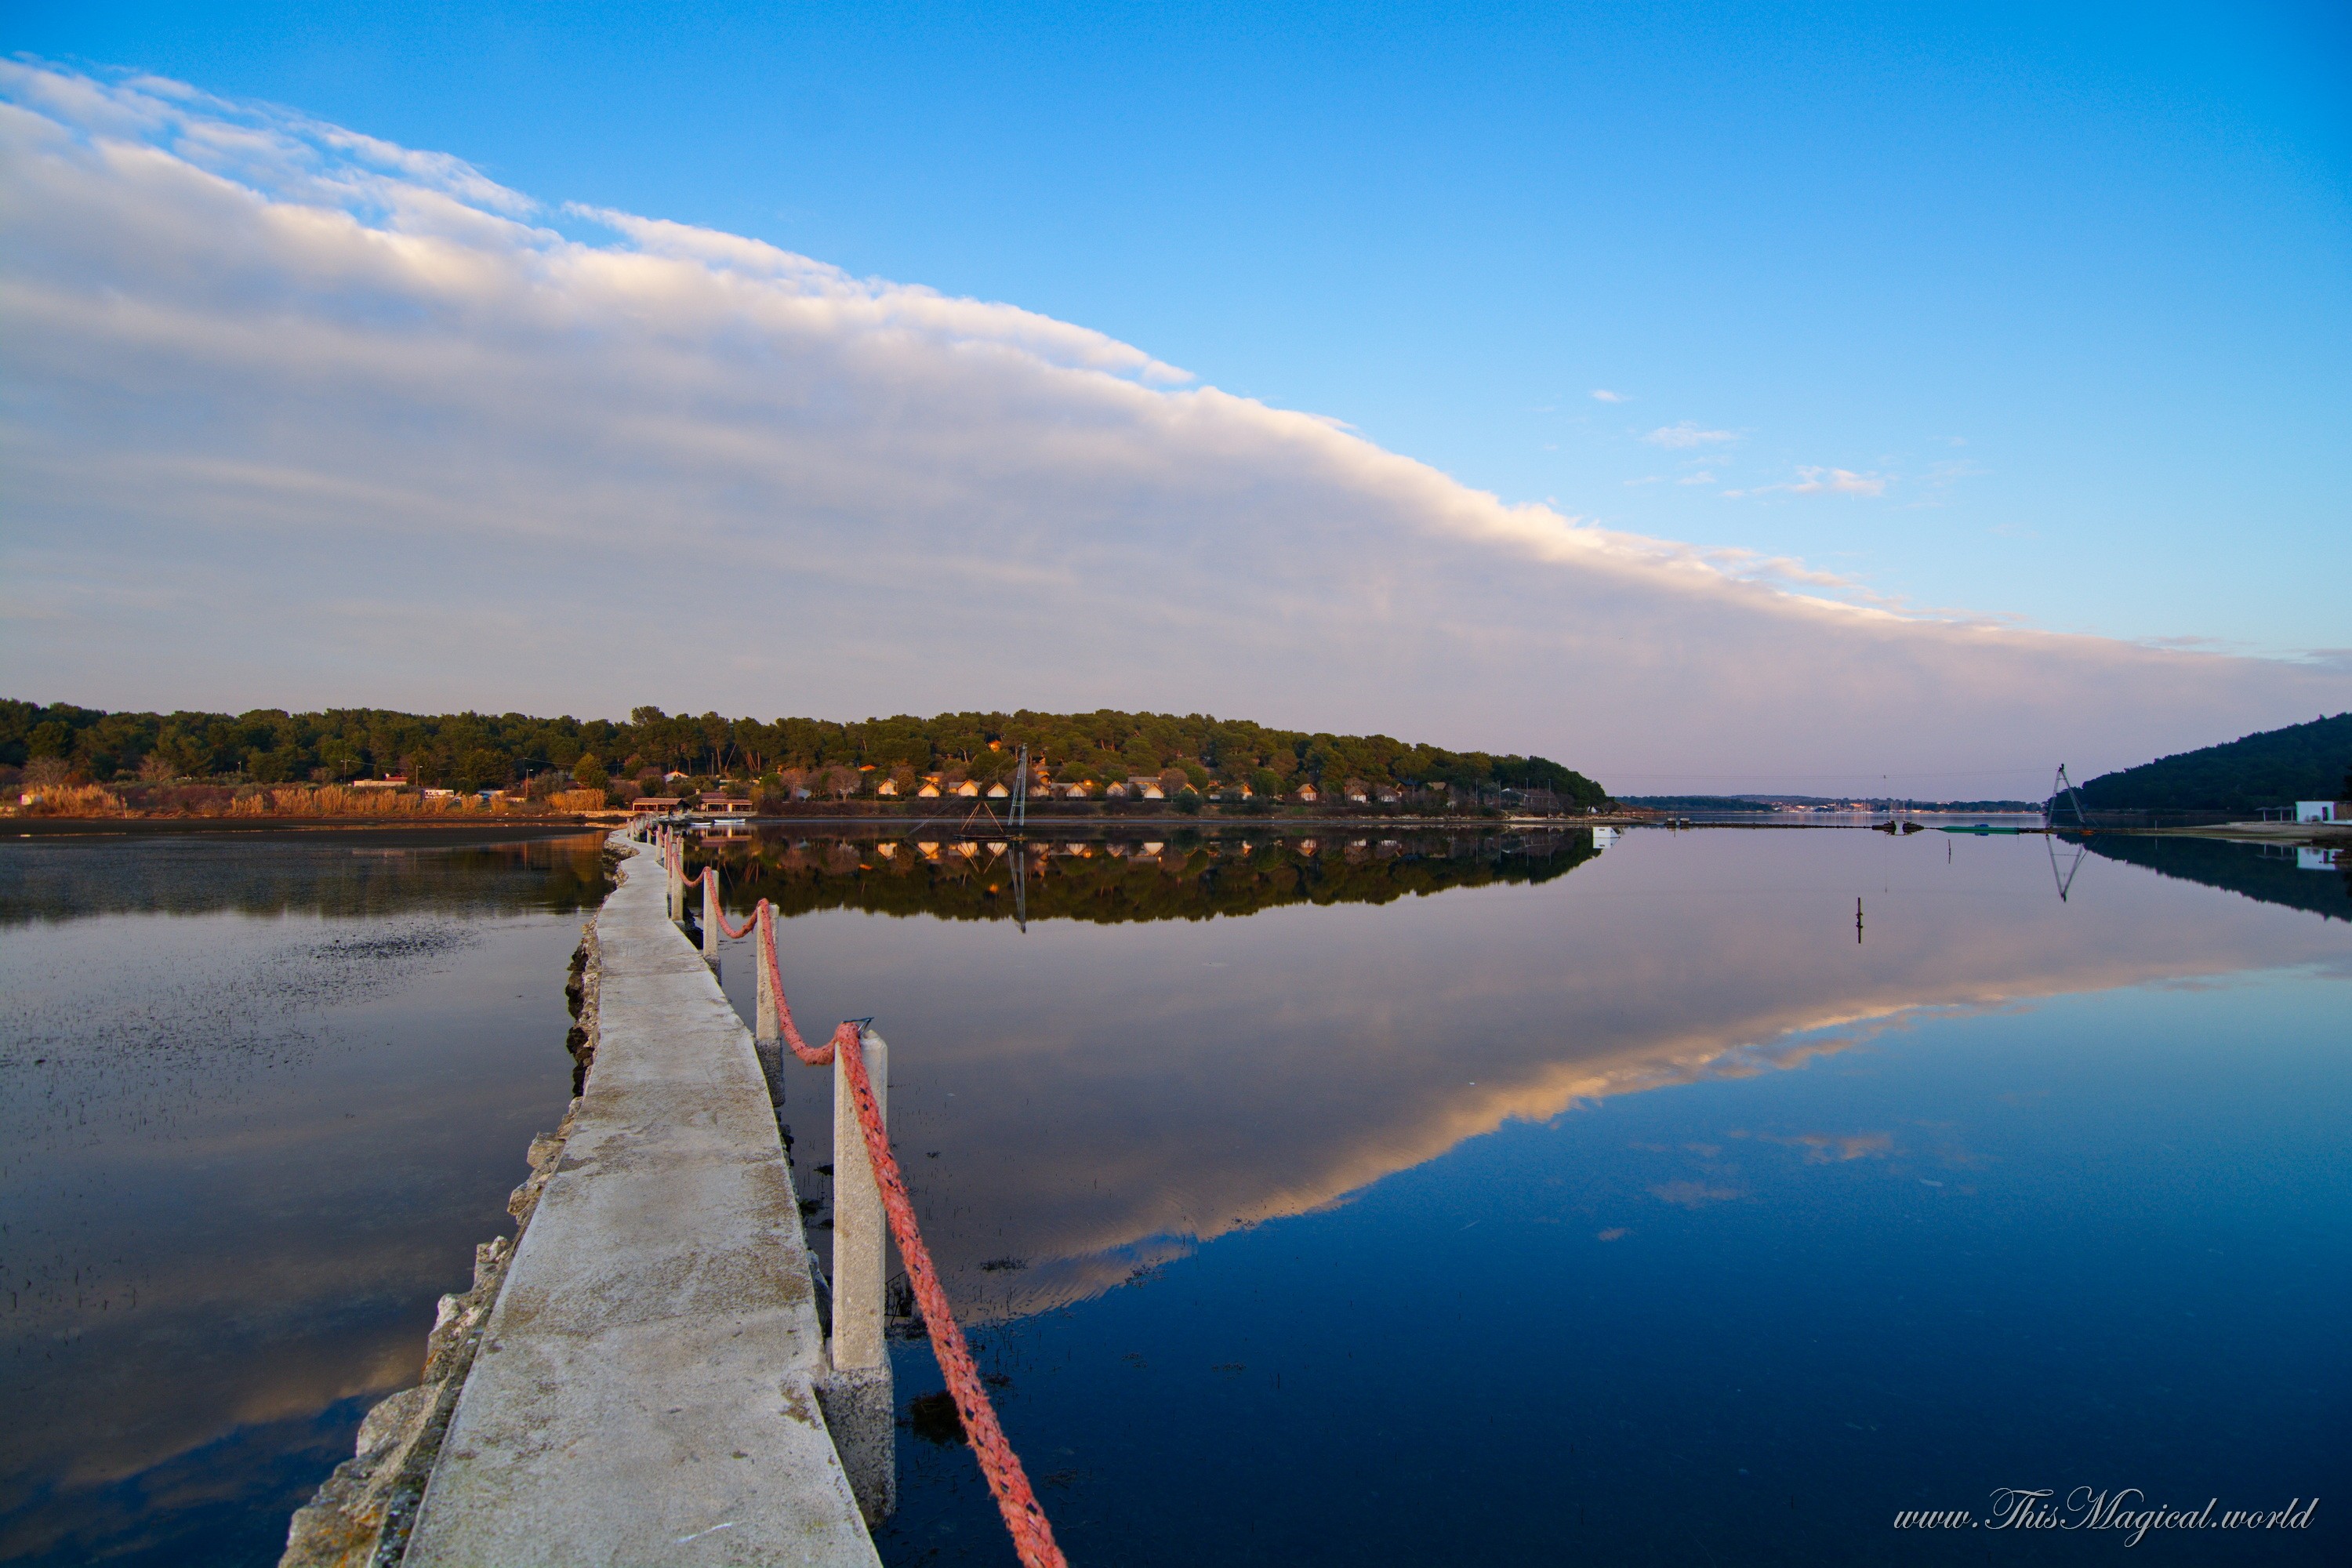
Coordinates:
(357, 875)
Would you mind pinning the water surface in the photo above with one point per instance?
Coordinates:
(1393, 1196)
(1479, 1200)
(260, 1095)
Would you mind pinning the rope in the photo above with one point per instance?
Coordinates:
(1032, 1537)
(815, 1056)
(711, 873)
(734, 933)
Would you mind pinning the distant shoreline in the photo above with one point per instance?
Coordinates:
(514, 829)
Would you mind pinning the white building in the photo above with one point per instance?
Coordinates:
(2323, 811)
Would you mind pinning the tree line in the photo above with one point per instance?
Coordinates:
(482, 750)
(2268, 769)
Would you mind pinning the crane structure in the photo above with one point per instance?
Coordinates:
(2050, 807)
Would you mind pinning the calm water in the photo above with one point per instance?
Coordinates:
(1438, 1202)
(259, 1098)
(1428, 1199)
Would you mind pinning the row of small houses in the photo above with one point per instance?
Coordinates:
(1139, 788)
(1143, 788)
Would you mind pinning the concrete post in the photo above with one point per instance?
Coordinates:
(858, 1398)
(767, 1026)
(677, 856)
(710, 915)
(861, 1235)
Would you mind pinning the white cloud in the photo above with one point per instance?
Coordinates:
(1603, 395)
(1821, 482)
(1700, 477)
(290, 416)
(1834, 481)
(1687, 435)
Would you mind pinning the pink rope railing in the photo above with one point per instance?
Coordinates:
(711, 874)
(1024, 1517)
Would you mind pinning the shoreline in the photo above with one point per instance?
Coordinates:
(1060, 823)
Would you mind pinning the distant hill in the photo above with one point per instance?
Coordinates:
(2275, 767)
(476, 751)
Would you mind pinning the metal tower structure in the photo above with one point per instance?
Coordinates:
(2050, 807)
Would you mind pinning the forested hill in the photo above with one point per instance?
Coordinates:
(2275, 767)
(475, 751)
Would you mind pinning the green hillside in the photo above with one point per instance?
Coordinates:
(474, 750)
(2275, 767)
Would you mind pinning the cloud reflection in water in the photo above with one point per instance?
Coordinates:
(1103, 1094)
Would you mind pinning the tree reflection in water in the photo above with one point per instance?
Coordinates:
(1188, 875)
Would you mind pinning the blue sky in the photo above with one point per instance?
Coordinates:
(1709, 396)
(2072, 284)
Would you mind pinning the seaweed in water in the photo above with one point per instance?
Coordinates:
(934, 1419)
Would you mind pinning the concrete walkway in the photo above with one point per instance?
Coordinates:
(643, 1393)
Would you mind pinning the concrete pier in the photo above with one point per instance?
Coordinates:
(648, 1385)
